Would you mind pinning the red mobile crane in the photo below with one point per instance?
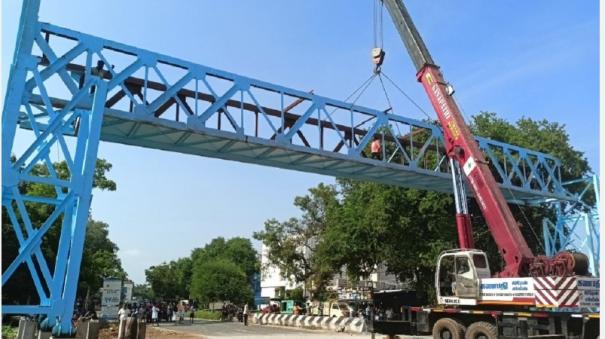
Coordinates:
(463, 149)
(532, 295)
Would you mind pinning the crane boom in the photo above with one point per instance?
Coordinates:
(462, 147)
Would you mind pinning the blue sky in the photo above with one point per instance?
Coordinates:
(516, 58)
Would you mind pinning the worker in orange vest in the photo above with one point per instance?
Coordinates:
(375, 147)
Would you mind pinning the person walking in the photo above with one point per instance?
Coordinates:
(181, 310)
(191, 313)
(155, 315)
(124, 312)
(245, 314)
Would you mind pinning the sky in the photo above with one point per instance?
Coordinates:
(536, 59)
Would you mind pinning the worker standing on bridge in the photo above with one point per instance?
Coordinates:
(375, 147)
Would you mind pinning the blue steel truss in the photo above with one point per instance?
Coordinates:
(158, 101)
(66, 83)
(576, 226)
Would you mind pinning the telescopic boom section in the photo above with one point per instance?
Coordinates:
(461, 147)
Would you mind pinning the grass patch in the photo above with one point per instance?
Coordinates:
(9, 332)
(208, 315)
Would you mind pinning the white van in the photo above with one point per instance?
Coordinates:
(339, 309)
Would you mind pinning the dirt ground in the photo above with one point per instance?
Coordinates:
(152, 333)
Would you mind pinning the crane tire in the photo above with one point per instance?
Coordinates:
(448, 328)
(481, 330)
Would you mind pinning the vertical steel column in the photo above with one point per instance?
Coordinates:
(576, 227)
(22, 61)
(85, 162)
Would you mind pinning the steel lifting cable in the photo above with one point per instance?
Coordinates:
(386, 95)
(361, 89)
(377, 23)
(377, 51)
(407, 96)
(531, 227)
(529, 224)
(364, 86)
(381, 25)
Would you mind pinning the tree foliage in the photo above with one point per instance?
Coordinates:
(142, 292)
(237, 250)
(538, 135)
(181, 278)
(291, 244)
(223, 260)
(220, 280)
(100, 253)
(100, 258)
(171, 280)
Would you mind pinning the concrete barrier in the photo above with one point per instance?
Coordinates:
(341, 324)
(132, 328)
(87, 329)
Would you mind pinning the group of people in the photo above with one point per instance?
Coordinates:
(230, 311)
(273, 308)
(156, 312)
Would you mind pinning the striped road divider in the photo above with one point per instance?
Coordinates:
(342, 324)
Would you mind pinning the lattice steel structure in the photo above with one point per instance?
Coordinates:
(66, 83)
(577, 223)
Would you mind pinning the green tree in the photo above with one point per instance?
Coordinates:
(170, 280)
(237, 250)
(220, 280)
(538, 135)
(142, 292)
(100, 258)
(20, 288)
(404, 229)
(291, 245)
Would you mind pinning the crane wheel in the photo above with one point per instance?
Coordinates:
(481, 330)
(448, 328)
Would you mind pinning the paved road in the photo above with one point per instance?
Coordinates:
(220, 330)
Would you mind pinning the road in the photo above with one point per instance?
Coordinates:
(213, 329)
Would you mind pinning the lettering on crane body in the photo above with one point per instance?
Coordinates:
(444, 107)
(519, 290)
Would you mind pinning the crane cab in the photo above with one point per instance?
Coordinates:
(457, 280)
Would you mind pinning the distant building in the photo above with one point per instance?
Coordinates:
(378, 280)
(272, 281)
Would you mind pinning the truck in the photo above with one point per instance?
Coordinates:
(332, 308)
(534, 295)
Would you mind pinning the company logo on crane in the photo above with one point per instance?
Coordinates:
(444, 107)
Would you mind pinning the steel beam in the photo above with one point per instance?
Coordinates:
(577, 224)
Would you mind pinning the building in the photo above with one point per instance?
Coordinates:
(272, 281)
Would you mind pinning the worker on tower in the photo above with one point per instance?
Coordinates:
(376, 148)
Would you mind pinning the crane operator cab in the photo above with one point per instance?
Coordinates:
(458, 275)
